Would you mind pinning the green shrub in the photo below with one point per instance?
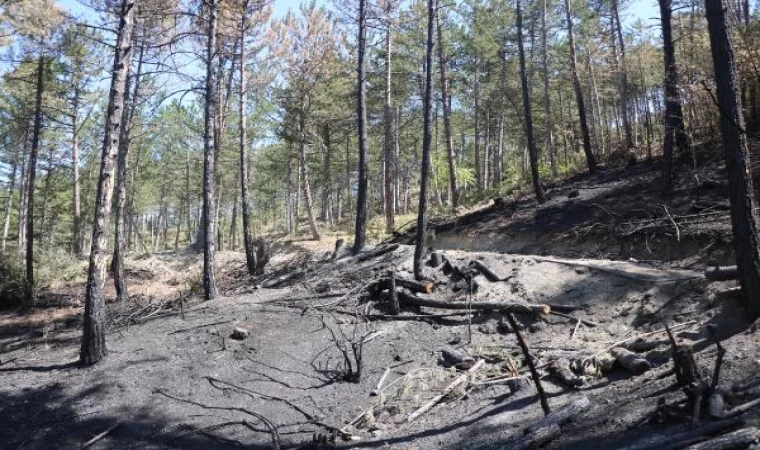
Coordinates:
(12, 282)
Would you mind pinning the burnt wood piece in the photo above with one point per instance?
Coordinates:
(632, 362)
(520, 308)
(742, 438)
(486, 271)
(722, 273)
(274, 282)
(679, 440)
(531, 366)
(561, 368)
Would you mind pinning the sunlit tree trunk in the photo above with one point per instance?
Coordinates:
(590, 159)
(447, 129)
(209, 154)
(93, 338)
(427, 137)
(31, 291)
(551, 148)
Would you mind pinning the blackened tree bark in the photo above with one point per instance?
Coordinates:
(209, 154)
(532, 151)
(361, 115)
(449, 133)
(590, 159)
(31, 291)
(250, 254)
(741, 193)
(427, 137)
(675, 132)
(551, 147)
(93, 339)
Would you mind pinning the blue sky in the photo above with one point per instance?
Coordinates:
(643, 9)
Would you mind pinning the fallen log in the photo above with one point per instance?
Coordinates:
(421, 287)
(722, 273)
(737, 439)
(273, 282)
(632, 362)
(486, 271)
(364, 256)
(453, 385)
(684, 438)
(519, 308)
(548, 428)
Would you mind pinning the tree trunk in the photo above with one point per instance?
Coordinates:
(327, 175)
(76, 203)
(427, 137)
(250, 255)
(551, 148)
(305, 177)
(738, 166)
(674, 126)
(590, 159)
(389, 144)
(478, 164)
(361, 117)
(622, 75)
(209, 154)
(532, 151)
(31, 294)
(449, 133)
(9, 201)
(93, 339)
(130, 100)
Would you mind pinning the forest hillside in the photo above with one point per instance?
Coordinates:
(398, 224)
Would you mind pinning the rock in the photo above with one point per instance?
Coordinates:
(573, 194)
(239, 333)
(487, 328)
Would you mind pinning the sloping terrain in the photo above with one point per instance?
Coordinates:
(186, 374)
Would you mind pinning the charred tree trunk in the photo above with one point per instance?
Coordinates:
(31, 292)
(250, 255)
(361, 117)
(741, 193)
(675, 133)
(209, 154)
(76, 202)
(590, 159)
(427, 137)
(532, 151)
(93, 339)
(551, 147)
(449, 134)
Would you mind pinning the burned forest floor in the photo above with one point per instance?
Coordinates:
(315, 353)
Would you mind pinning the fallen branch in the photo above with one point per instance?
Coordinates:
(422, 287)
(182, 330)
(631, 361)
(722, 273)
(281, 279)
(519, 308)
(380, 382)
(736, 439)
(531, 366)
(361, 257)
(486, 271)
(100, 436)
(568, 316)
(453, 385)
(684, 438)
